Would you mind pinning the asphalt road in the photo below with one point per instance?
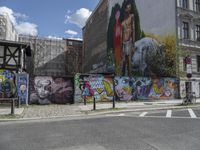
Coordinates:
(124, 132)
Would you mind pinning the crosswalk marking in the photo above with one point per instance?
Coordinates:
(169, 114)
(192, 114)
(143, 114)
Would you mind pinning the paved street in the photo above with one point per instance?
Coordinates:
(193, 113)
(128, 131)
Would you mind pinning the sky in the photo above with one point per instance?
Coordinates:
(49, 18)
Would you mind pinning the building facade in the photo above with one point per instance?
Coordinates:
(161, 33)
(49, 55)
(74, 56)
(7, 29)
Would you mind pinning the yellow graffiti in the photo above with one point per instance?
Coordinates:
(108, 89)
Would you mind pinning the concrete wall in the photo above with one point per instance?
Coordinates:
(157, 16)
(94, 35)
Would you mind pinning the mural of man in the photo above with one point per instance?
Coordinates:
(128, 39)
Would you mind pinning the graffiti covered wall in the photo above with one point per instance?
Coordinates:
(93, 86)
(47, 90)
(143, 88)
(22, 87)
(7, 84)
(126, 88)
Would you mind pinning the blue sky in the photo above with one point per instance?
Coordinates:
(55, 18)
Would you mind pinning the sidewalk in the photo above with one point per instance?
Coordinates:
(52, 111)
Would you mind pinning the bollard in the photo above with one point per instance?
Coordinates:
(84, 101)
(13, 107)
(113, 101)
(94, 103)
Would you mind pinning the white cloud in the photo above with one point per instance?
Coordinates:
(20, 15)
(54, 37)
(23, 27)
(79, 17)
(27, 28)
(71, 32)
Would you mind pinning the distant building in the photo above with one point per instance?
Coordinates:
(54, 57)
(49, 55)
(74, 56)
(7, 29)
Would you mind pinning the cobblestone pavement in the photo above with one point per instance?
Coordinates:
(37, 111)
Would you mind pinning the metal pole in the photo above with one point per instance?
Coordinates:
(84, 101)
(94, 103)
(13, 107)
(113, 93)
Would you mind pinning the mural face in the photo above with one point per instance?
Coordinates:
(22, 87)
(98, 87)
(130, 51)
(49, 90)
(7, 84)
(123, 88)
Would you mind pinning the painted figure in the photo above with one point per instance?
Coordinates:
(117, 40)
(43, 91)
(123, 88)
(128, 39)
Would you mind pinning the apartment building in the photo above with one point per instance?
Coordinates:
(173, 24)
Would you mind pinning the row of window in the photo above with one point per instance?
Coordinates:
(185, 4)
(186, 31)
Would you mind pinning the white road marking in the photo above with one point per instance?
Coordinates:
(143, 114)
(192, 114)
(121, 115)
(169, 114)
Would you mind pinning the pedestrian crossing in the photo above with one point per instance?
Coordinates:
(187, 113)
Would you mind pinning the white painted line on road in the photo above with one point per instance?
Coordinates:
(192, 114)
(121, 115)
(143, 114)
(169, 114)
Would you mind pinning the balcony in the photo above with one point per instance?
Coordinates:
(189, 43)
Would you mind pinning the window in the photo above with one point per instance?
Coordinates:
(198, 63)
(197, 4)
(70, 43)
(185, 30)
(185, 4)
(198, 33)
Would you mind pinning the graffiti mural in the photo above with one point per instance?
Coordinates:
(126, 89)
(143, 88)
(93, 86)
(7, 84)
(123, 88)
(47, 90)
(22, 87)
(130, 51)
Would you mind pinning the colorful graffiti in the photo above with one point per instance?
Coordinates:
(7, 84)
(126, 88)
(22, 87)
(130, 51)
(93, 86)
(124, 21)
(47, 90)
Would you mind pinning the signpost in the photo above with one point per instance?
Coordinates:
(188, 62)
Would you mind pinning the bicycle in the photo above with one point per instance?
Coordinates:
(190, 98)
